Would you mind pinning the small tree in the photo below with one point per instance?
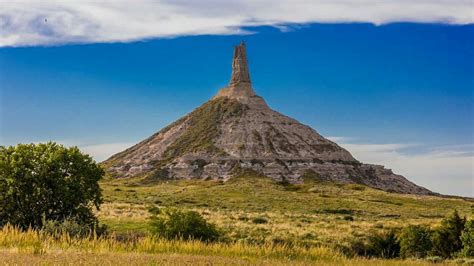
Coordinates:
(171, 223)
(447, 237)
(44, 182)
(415, 241)
(467, 239)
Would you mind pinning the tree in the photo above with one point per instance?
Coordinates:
(447, 237)
(172, 223)
(467, 239)
(41, 182)
(415, 241)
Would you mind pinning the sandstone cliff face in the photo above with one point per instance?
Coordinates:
(237, 130)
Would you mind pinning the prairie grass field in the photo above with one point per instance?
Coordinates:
(258, 210)
(262, 222)
(36, 248)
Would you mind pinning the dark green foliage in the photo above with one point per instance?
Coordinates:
(171, 223)
(259, 220)
(467, 239)
(338, 211)
(384, 245)
(42, 182)
(447, 237)
(415, 241)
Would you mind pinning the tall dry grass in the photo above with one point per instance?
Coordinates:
(38, 242)
(37, 247)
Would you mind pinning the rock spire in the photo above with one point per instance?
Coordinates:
(240, 86)
(240, 69)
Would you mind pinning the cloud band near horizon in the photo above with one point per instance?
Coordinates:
(33, 23)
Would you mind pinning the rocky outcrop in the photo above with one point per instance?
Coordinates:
(237, 130)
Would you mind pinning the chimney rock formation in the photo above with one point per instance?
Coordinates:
(237, 130)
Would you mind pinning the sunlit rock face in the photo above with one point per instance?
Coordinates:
(237, 130)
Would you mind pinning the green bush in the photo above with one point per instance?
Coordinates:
(384, 245)
(467, 239)
(447, 237)
(259, 220)
(42, 182)
(415, 241)
(171, 223)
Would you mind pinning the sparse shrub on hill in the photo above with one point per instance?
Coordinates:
(259, 220)
(43, 182)
(467, 239)
(447, 237)
(172, 223)
(378, 245)
(383, 245)
(415, 241)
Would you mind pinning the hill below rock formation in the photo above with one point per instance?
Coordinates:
(235, 131)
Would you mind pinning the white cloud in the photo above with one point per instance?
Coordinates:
(445, 169)
(100, 152)
(48, 22)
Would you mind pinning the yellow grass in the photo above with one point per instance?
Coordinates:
(34, 247)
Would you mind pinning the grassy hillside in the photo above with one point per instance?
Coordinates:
(258, 210)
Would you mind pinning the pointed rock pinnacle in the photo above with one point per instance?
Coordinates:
(240, 69)
(240, 86)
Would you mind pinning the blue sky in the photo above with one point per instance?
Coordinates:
(398, 94)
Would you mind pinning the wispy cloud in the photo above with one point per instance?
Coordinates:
(101, 152)
(444, 169)
(47, 22)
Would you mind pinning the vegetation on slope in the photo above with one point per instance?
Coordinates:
(203, 127)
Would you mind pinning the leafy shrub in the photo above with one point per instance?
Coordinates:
(467, 239)
(384, 245)
(447, 237)
(42, 182)
(172, 223)
(415, 241)
(259, 220)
